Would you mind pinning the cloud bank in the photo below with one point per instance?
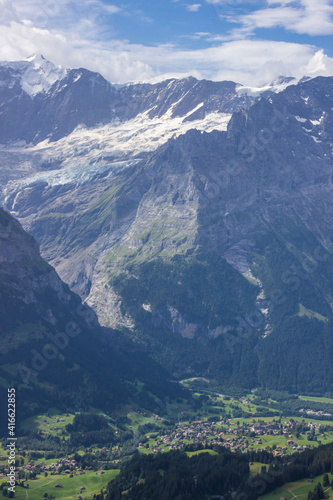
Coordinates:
(311, 17)
(56, 30)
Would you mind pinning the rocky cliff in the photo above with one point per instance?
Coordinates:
(52, 348)
(213, 248)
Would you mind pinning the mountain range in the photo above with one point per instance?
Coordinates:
(193, 217)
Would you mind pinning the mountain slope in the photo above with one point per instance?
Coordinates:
(52, 348)
(260, 189)
(214, 249)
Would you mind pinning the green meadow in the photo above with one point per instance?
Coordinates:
(316, 399)
(47, 422)
(198, 452)
(298, 489)
(91, 481)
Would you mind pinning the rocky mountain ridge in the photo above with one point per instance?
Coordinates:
(246, 207)
(52, 101)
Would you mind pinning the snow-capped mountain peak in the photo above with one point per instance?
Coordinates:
(40, 75)
(273, 87)
(35, 74)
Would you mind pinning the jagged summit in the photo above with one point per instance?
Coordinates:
(43, 101)
(34, 76)
(265, 90)
(36, 57)
(40, 75)
(40, 62)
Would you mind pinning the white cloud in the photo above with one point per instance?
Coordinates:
(216, 2)
(311, 17)
(110, 9)
(234, 3)
(194, 7)
(280, 2)
(8, 13)
(319, 65)
(246, 61)
(66, 15)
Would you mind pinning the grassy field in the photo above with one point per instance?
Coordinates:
(198, 452)
(313, 420)
(303, 311)
(138, 419)
(281, 441)
(3, 450)
(4, 455)
(299, 490)
(147, 451)
(255, 468)
(316, 399)
(284, 419)
(47, 422)
(92, 483)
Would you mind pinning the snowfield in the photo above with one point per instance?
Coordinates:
(88, 152)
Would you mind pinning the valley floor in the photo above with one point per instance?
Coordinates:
(46, 455)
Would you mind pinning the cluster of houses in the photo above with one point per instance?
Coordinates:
(57, 420)
(232, 435)
(61, 466)
(235, 437)
(313, 413)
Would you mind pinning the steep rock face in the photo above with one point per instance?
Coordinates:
(248, 209)
(60, 127)
(46, 333)
(258, 196)
(80, 96)
(52, 348)
(29, 284)
(188, 97)
(40, 100)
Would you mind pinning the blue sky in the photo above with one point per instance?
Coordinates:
(251, 42)
(182, 22)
